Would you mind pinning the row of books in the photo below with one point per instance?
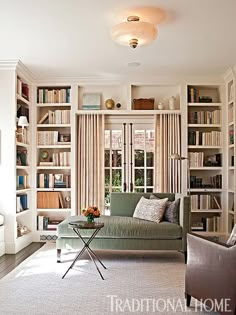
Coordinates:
(21, 182)
(53, 95)
(22, 89)
(212, 138)
(205, 202)
(58, 159)
(52, 138)
(56, 117)
(45, 223)
(215, 182)
(45, 180)
(199, 159)
(205, 117)
(194, 97)
(47, 137)
(21, 203)
(22, 135)
(207, 224)
(196, 159)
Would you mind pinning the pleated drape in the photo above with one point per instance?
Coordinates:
(90, 161)
(167, 142)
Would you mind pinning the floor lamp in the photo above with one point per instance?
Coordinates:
(177, 157)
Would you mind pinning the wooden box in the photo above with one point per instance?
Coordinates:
(143, 103)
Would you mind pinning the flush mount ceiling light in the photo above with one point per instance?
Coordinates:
(134, 32)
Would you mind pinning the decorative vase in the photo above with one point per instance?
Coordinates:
(160, 105)
(90, 219)
(172, 103)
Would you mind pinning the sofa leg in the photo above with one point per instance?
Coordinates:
(58, 255)
(188, 299)
(185, 257)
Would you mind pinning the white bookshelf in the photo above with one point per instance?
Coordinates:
(56, 111)
(231, 150)
(200, 170)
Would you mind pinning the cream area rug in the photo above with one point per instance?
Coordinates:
(135, 283)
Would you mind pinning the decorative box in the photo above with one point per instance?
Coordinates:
(143, 103)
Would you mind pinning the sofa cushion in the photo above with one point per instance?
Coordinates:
(123, 204)
(171, 213)
(150, 209)
(124, 227)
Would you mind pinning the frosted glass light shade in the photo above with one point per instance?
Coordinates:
(23, 121)
(144, 32)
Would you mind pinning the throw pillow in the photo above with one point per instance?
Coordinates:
(151, 210)
(171, 213)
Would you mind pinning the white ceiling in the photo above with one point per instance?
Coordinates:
(70, 38)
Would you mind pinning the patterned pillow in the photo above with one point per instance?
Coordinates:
(151, 210)
(171, 213)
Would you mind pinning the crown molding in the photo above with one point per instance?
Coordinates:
(9, 64)
(24, 72)
(17, 65)
(229, 74)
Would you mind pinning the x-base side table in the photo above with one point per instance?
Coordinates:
(83, 225)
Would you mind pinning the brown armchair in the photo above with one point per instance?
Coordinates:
(211, 273)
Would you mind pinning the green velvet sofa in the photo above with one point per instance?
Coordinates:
(123, 232)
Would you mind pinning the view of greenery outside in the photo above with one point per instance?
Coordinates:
(143, 171)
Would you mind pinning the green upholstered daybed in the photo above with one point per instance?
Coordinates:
(123, 232)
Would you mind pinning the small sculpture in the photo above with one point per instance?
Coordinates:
(109, 103)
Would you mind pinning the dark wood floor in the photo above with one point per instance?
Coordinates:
(8, 262)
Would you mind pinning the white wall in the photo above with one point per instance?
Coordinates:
(7, 152)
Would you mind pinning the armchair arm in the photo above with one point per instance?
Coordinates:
(211, 271)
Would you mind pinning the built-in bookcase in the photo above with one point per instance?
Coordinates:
(205, 157)
(53, 169)
(231, 150)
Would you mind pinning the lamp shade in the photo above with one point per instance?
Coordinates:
(142, 32)
(23, 121)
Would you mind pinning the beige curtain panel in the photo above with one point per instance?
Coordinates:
(167, 142)
(90, 161)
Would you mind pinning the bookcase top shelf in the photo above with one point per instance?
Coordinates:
(127, 112)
